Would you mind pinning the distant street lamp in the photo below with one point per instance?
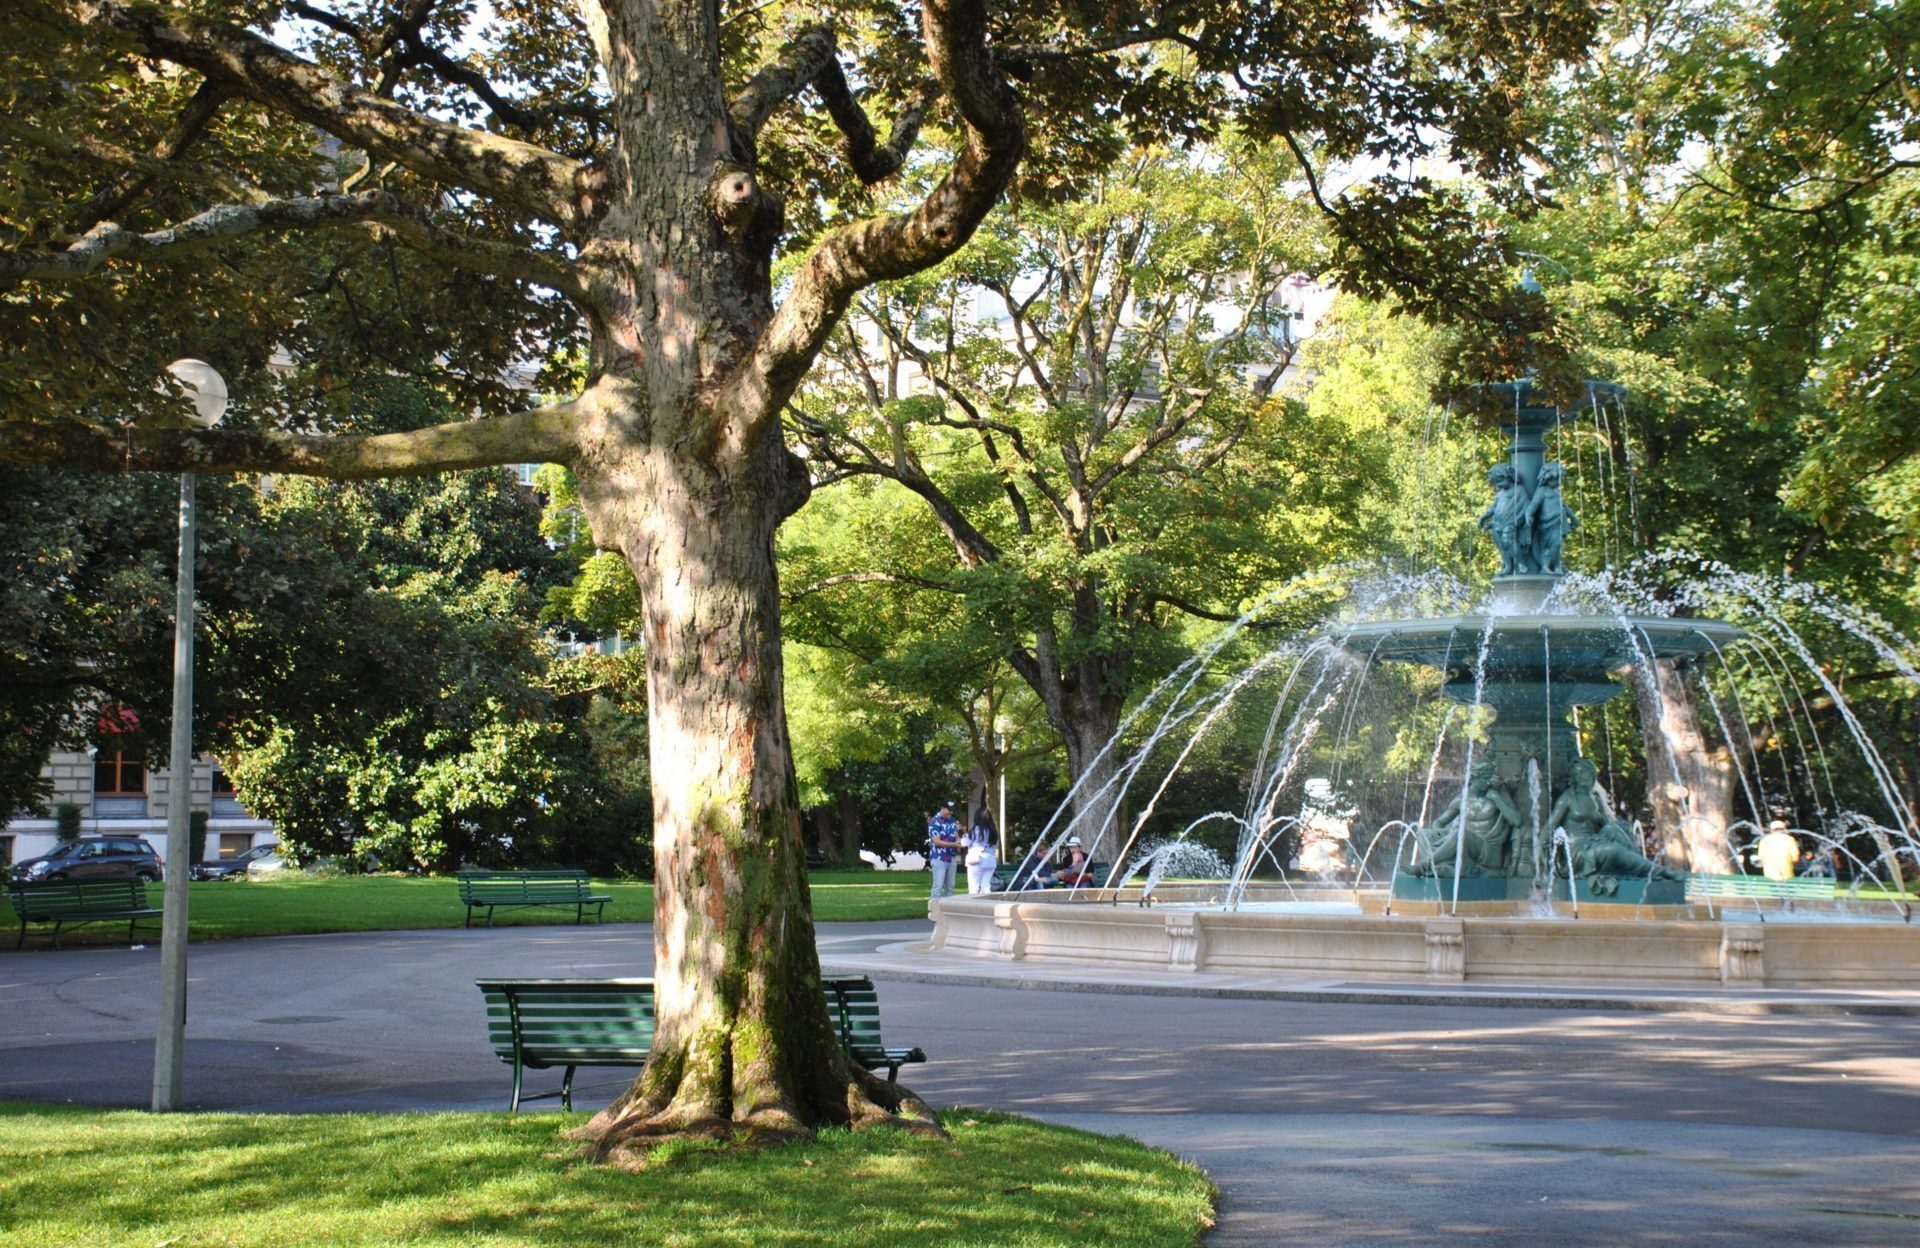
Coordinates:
(208, 392)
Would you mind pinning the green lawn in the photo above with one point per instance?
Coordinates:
(299, 903)
(78, 1177)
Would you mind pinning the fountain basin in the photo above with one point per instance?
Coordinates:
(1111, 928)
(1568, 649)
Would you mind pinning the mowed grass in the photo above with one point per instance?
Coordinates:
(91, 1179)
(296, 904)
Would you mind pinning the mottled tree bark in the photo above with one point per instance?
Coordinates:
(1689, 780)
(744, 1042)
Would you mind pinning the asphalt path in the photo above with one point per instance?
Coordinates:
(1324, 1124)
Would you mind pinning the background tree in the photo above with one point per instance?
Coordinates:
(1097, 435)
(631, 184)
(373, 675)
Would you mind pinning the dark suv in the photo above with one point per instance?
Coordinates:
(94, 858)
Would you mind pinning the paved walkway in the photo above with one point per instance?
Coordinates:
(1359, 1120)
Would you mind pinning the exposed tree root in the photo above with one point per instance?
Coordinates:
(626, 1132)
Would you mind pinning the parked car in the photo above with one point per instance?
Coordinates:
(237, 867)
(267, 864)
(94, 858)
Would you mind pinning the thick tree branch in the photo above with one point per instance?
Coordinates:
(856, 256)
(810, 59)
(379, 211)
(782, 78)
(483, 255)
(544, 183)
(870, 578)
(111, 241)
(149, 168)
(542, 435)
(872, 160)
(1202, 613)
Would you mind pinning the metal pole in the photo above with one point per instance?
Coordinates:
(169, 1049)
(1002, 760)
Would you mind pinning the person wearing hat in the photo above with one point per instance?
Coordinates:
(1778, 851)
(943, 848)
(1075, 872)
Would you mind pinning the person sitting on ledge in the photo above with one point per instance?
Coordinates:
(1077, 871)
(1034, 870)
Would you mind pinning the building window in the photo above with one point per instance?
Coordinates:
(119, 785)
(233, 844)
(119, 774)
(226, 802)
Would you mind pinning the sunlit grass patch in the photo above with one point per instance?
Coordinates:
(88, 1179)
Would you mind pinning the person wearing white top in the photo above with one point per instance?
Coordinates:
(981, 858)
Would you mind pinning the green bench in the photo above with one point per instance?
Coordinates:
(1003, 875)
(542, 1023)
(488, 889)
(74, 903)
(1809, 888)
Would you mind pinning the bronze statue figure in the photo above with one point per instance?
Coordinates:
(1601, 845)
(1502, 520)
(1548, 522)
(1491, 821)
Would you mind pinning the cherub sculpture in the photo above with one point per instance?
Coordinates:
(1547, 521)
(1502, 520)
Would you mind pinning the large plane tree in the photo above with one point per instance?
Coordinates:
(674, 193)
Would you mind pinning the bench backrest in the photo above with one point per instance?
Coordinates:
(611, 1020)
(604, 1020)
(508, 886)
(1704, 885)
(854, 1005)
(58, 899)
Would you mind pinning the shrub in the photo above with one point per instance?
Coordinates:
(197, 836)
(66, 822)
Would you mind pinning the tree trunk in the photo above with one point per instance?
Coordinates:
(1689, 781)
(849, 807)
(1090, 727)
(826, 833)
(743, 1041)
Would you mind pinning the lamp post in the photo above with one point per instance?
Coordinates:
(1000, 750)
(208, 392)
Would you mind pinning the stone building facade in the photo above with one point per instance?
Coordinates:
(117, 795)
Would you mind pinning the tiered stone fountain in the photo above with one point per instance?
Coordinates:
(1530, 665)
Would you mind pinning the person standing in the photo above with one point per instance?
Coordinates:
(982, 855)
(943, 847)
(1778, 851)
